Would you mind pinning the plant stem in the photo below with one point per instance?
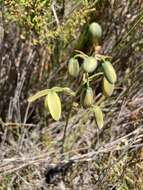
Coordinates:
(66, 125)
(68, 117)
(79, 55)
(71, 105)
(95, 75)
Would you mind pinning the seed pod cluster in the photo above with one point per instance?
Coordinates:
(53, 105)
(89, 64)
(73, 67)
(88, 98)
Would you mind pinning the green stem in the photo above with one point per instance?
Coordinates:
(95, 75)
(71, 105)
(79, 55)
(66, 125)
(68, 117)
(87, 80)
(80, 52)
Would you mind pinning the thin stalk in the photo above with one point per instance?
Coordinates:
(68, 117)
(95, 75)
(80, 52)
(79, 55)
(71, 105)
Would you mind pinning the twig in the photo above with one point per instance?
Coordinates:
(15, 125)
(24, 131)
(55, 14)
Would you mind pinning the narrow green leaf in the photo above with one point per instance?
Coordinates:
(57, 89)
(63, 89)
(45, 92)
(38, 95)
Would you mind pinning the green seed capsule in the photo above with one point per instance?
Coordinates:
(53, 105)
(98, 116)
(88, 99)
(73, 67)
(90, 64)
(95, 30)
(109, 72)
(108, 88)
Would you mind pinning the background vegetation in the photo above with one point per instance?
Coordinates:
(37, 38)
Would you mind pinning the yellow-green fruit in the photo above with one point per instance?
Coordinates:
(108, 88)
(53, 104)
(98, 116)
(90, 64)
(88, 99)
(73, 67)
(109, 72)
(95, 30)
